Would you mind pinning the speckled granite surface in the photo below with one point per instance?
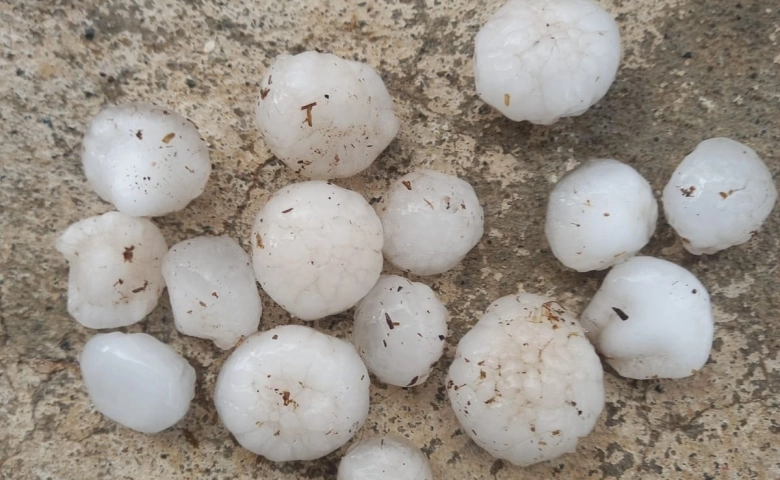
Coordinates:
(692, 69)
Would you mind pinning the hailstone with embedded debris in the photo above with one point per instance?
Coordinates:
(384, 458)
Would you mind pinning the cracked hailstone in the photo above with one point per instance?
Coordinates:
(316, 248)
(388, 457)
(292, 393)
(212, 289)
(540, 60)
(599, 214)
(719, 196)
(525, 383)
(146, 160)
(324, 116)
(115, 276)
(431, 220)
(651, 319)
(399, 331)
(137, 381)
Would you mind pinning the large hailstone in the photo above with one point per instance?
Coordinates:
(525, 383)
(115, 275)
(384, 458)
(431, 220)
(316, 248)
(600, 214)
(323, 116)
(292, 393)
(146, 160)
(137, 381)
(212, 288)
(540, 60)
(651, 319)
(719, 196)
(399, 331)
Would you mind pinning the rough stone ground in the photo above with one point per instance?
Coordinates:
(693, 69)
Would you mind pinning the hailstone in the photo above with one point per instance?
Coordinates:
(146, 160)
(292, 393)
(540, 60)
(719, 196)
(323, 116)
(115, 275)
(384, 458)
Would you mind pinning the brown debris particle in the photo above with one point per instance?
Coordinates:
(482, 374)
(688, 192)
(167, 139)
(141, 289)
(259, 241)
(270, 79)
(275, 337)
(725, 195)
(287, 400)
(390, 323)
(119, 282)
(277, 433)
(287, 211)
(264, 93)
(606, 214)
(507, 99)
(407, 184)
(139, 134)
(214, 294)
(308, 108)
(414, 380)
(620, 313)
(128, 254)
(202, 303)
(556, 432)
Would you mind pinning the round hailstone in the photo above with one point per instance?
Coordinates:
(323, 116)
(600, 214)
(431, 220)
(292, 393)
(115, 275)
(719, 196)
(651, 319)
(525, 383)
(146, 160)
(384, 458)
(213, 291)
(317, 248)
(540, 60)
(137, 381)
(400, 327)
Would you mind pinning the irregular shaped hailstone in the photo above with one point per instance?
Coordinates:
(317, 248)
(115, 275)
(323, 116)
(213, 291)
(292, 393)
(540, 60)
(431, 221)
(146, 160)
(719, 196)
(651, 319)
(137, 381)
(384, 458)
(400, 327)
(600, 214)
(525, 383)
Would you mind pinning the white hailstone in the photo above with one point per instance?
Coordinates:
(316, 248)
(400, 327)
(292, 393)
(384, 458)
(115, 275)
(600, 214)
(651, 319)
(431, 220)
(525, 383)
(137, 381)
(719, 196)
(146, 160)
(212, 288)
(540, 60)
(323, 116)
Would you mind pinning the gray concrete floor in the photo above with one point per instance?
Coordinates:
(692, 69)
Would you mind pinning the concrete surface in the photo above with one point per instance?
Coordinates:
(693, 69)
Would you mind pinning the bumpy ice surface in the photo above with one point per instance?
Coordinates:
(384, 458)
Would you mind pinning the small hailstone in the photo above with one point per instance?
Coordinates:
(540, 60)
(316, 248)
(292, 393)
(651, 319)
(146, 160)
(600, 214)
(431, 220)
(137, 381)
(212, 288)
(115, 275)
(323, 116)
(525, 383)
(719, 196)
(400, 327)
(384, 458)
